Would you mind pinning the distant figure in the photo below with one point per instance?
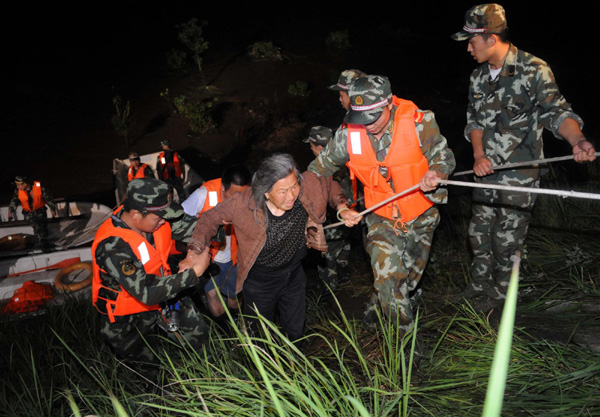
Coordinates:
(33, 199)
(132, 279)
(276, 221)
(235, 179)
(170, 169)
(337, 258)
(137, 169)
(343, 84)
(513, 96)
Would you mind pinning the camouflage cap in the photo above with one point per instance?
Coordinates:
(149, 195)
(133, 155)
(368, 96)
(165, 142)
(320, 135)
(345, 79)
(482, 19)
(20, 179)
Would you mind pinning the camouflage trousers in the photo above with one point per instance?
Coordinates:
(499, 223)
(135, 339)
(337, 256)
(176, 184)
(39, 221)
(398, 259)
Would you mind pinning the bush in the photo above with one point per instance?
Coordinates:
(197, 112)
(176, 59)
(190, 34)
(122, 120)
(339, 39)
(299, 88)
(264, 51)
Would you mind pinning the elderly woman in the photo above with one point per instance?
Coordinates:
(276, 221)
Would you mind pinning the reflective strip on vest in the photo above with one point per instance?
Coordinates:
(213, 198)
(144, 255)
(355, 143)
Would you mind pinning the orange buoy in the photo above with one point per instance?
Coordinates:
(61, 283)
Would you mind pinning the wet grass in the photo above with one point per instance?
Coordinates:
(56, 364)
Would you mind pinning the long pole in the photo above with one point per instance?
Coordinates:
(523, 164)
(561, 193)
(376, 206)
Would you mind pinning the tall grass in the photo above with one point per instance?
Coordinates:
(347, 372)
(56, 364)
(268, 375)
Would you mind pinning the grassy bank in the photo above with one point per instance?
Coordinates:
(56, 364)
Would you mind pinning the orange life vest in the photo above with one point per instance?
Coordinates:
(164, 166)
(153, 258)
(214, 197)
(30, 297)
(140, 173)
(405, 163)
(36, 193)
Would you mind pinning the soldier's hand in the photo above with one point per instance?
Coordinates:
(584, 151)
(482, 166)
(197, 261)
(429, 180)
(348, 216)
(186, 263)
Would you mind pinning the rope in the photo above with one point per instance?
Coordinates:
(521, 164)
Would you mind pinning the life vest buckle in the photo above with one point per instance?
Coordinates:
(400, 225)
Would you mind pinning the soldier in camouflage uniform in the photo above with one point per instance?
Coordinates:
(512, 97)
(170, 167)
(132, 280)
(337, 257)
(398, 245)
(343, 84)
(33, 197)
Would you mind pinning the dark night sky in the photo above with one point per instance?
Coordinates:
(60, 58)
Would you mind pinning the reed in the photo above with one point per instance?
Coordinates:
(56, 364)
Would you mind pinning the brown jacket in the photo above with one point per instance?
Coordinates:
(249, 224)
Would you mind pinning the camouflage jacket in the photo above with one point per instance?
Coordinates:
(433, 145)
(113, 253)
(513, 110)
(342, 176)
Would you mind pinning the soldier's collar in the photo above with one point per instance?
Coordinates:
(508, 68)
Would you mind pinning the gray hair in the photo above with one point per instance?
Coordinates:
(271, 170)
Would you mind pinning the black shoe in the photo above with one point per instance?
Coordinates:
(485, 304)
(370, 319)
(342, 279)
